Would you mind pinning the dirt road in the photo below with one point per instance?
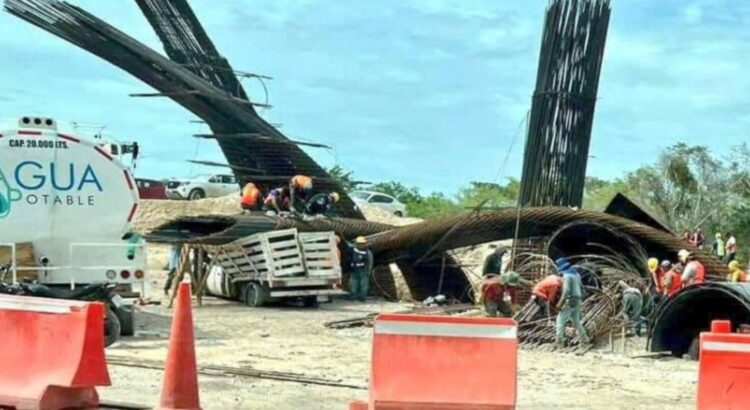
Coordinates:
(293, 339)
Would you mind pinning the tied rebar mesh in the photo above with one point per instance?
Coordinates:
(562, 110)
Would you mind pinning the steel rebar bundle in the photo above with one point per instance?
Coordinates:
(198, 78)
(562, 110)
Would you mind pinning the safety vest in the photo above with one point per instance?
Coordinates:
(250, 194)
(700, 273)
(676, 284)
(360, 259)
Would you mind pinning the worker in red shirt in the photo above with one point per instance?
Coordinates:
(694, 272)
(657, 272)
(250, 198)
(545, 292)
(498, 293)
(672, 282)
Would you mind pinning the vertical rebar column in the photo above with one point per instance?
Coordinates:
(562, 110)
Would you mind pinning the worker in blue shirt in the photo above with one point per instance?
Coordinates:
(570, 302)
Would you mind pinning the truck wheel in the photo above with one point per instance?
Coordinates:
(254, 295)
(196, 194)
(111, 328)
(311, 301)
(127, 321)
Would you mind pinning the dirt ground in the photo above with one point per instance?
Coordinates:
(293, 339)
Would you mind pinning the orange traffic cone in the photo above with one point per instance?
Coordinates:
(180, 389)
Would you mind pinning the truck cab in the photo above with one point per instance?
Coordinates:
(69, 202)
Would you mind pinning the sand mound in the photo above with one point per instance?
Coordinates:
(152, 213)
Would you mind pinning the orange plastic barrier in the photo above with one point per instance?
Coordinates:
(358, 405)
(723, 375)
(52, 353)
(442, 362)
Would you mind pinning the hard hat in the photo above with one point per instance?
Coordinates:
(733, 266)
(307, 186)
(361, 240)
(666, 264)
(683, 254)
(653, 263)
(336, 197)
(718, 235)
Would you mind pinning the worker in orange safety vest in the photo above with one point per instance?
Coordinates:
(694, 272)
(250, 198)
(672, 282)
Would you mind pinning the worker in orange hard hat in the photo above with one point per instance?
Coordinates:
(300, 187)
(250, 198)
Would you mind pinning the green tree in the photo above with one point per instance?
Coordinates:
(343, 178)
(398, 191)
(489, 194)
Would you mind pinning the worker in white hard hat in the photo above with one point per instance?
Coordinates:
(694, 272)
(360, 264)
(322, 203)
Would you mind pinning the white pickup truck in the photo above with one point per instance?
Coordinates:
(206, 186)
(74, 201)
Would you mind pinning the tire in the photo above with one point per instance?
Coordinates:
(399, 214)
(111, 328)
(196, 194)
(695, 349)
(254, 295)
(127, 323)
(311, 302)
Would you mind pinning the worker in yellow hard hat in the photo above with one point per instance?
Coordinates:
(360, 264)
(736, 274)
(322, 203)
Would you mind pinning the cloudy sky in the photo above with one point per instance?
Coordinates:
(432, 93)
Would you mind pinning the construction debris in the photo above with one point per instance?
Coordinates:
(367, 320)
(213, 370)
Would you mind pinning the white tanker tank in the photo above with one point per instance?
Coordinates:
(74, 202)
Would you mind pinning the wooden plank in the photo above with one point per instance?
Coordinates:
(24, 258)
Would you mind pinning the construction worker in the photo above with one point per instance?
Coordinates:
(719, 249)
(731, 247)
(493, 263)
(569, 305)
(654, 268)
(498, 293)
(299, 187)
(361, 264)
(174, 260)
(632, 305)
(277, 200)
(736, 274)
(250, 198)
(322, 204)
(672, 282)
(694, 272)
(545, 292)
